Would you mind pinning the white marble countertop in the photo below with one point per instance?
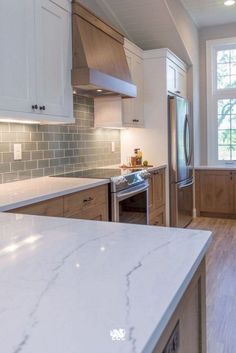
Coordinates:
(27, 192)
(66, 284)
(216, 167)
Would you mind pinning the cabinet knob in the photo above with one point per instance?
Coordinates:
(42, 107)
(34, 107)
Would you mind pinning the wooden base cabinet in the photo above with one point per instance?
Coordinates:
(157, 198)
(215, 193)
(186, 330)
(88, 204)
(49, 208)
(91, 204)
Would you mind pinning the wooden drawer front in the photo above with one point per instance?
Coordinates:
(50, 208)
(98, 213)
(78, 203)
(158, 217)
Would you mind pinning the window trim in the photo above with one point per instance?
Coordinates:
(213, 94)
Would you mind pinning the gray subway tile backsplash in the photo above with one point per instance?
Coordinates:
(55, 149)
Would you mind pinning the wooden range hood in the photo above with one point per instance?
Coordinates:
(99, 62)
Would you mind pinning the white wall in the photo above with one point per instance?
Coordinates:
(153, 140)
(189, 34)
(208, 33)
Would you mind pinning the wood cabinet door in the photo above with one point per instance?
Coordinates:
(158, 217)
(157, 198)
(216, 192)
(159, 188)
(133, 109)
(53, 63)
(17, 59)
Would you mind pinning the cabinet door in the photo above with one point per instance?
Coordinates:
(133, 109)
(176, 79)
(17, 71)
(53, 59)
(138, 78)
(181, 82)
(128, 104)
(216, 192)
(171, 76)
(159, 188)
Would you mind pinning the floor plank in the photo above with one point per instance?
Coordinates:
(221, 284)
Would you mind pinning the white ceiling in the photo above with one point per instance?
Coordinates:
(210, 12)
(147, 23)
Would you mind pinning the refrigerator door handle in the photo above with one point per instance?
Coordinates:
(185, 147)
(188, 155)
(186, 185)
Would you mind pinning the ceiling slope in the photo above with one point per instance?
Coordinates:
(148, 23)
(207, 13)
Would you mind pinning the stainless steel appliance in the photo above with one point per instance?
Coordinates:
(130, 198)
(129, 192)
(180, 162)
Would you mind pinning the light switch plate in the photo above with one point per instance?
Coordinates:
(17, 152)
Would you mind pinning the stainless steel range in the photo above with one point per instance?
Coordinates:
(129, 192)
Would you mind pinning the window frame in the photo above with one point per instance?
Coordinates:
(213, 95)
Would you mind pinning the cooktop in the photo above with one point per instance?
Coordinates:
(98, 173)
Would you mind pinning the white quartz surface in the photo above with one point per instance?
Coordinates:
(216, 167)
(27, 192)
(65, 284)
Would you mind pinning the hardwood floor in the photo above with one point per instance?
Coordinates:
(221, 284)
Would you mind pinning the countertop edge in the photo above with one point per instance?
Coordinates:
(215, 167)
(156, 335)
(49, 196)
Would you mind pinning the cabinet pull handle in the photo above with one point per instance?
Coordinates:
(88, 200)
(42, 107)
(34, 107)
(135, 120)
(178, 92)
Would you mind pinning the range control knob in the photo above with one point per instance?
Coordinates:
(120, 181)
(145, 174)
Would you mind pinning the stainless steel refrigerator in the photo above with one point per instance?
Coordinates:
(180, 162)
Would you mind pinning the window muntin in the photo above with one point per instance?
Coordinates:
(226, 68)
(226, 129)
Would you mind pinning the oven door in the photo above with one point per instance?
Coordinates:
(131, 205)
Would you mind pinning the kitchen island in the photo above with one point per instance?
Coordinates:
(71, 286)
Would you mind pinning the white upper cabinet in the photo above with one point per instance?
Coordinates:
(133, 108)
(53, 59)
(17, 59)
(35, 61)
(176, 78)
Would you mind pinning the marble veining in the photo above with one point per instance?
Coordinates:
(69, 285)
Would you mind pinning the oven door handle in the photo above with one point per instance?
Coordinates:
(132, 193)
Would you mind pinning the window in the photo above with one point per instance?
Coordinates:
(221, 101)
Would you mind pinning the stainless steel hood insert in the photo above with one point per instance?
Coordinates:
(99, 62)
